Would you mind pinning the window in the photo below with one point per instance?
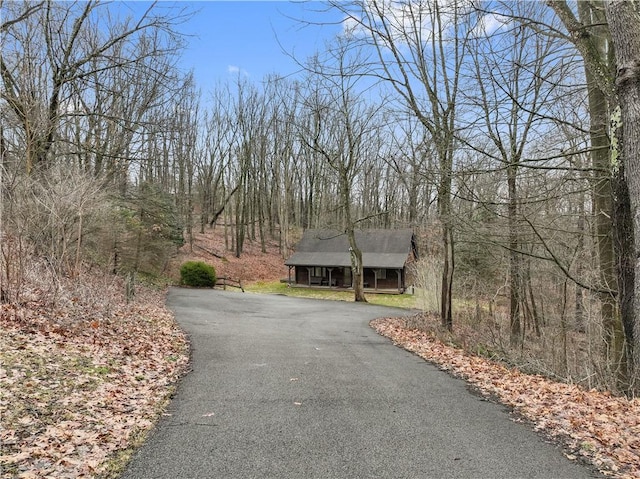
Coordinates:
(381, 273)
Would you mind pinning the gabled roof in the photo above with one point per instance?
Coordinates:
(330, 248)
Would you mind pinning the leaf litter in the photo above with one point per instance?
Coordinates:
(593, 426)
(83, 380)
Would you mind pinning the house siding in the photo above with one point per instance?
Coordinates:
(388, 282)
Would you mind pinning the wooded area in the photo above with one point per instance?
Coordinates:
(504, 133)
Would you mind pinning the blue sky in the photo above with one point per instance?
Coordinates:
(227, 38)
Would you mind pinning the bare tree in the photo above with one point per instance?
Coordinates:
(420, 49)
(339, 127)
(83, 94)
(285, 96)
(512, 107)
(219, 137)
(411, 156)
(591, 36)
(624, 24)
(51, 50)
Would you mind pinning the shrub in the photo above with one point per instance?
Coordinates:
(198, 274)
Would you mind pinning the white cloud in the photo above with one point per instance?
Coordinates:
(401, 17)
(236, 70)
(489, 24)
(414, 19)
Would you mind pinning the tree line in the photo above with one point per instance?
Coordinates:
(504, 133)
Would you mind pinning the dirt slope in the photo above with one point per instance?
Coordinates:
(253, 265)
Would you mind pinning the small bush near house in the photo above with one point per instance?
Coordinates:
(197, 274)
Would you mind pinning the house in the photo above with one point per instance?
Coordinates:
(322, 259)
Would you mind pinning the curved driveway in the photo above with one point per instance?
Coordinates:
(296, 388)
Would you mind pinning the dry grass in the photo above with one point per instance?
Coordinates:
(276, 287)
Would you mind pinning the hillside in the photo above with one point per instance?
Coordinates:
(253, 265)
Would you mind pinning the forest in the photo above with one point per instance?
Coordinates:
(505, 134)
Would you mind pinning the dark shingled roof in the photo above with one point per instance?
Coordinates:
(380, 248)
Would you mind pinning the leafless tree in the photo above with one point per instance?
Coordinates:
(53, 52)
(512, 105)
(590, 34)
(219, 138)
(624, 24)
(338, 129)
(80, 92)
(420, 49)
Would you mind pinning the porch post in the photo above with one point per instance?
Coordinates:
(399, 273)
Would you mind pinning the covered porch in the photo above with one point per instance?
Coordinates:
(376, 280)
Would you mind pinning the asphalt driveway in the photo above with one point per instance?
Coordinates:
(296, 388)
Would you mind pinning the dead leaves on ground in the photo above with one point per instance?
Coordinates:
(593, 425)
(73, 393)
(253, 264)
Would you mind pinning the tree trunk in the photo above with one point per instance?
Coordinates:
(444, 212)
(594, 43)
(446, 297)
(603, 203)
(624, 245)
(357, 269)
(579, 319)
(515, 273)
(624, 24)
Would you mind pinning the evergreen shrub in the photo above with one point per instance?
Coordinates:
(197, 274)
